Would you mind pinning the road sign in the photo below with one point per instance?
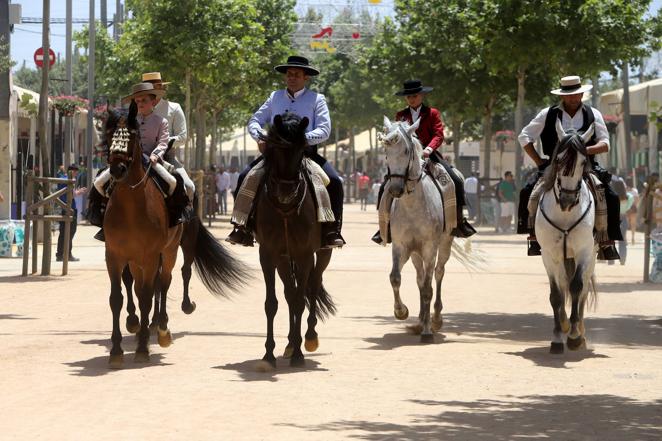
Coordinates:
(39, 57)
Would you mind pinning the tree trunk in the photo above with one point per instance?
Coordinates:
(456, 126)
(519, 121)
(200, 131)
(487, 134)
(214, 139)
(626, 116)
(43, 137)
(187, 110)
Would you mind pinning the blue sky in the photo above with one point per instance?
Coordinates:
(27, 37)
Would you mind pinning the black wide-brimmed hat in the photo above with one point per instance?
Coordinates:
(298, 62)
(412, 87)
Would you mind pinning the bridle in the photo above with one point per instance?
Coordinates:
(411, 152)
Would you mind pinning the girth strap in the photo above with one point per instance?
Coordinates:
(565, 232)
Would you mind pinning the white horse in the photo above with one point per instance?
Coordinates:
(564, 228)
(417, 224)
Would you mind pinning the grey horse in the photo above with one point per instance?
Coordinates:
(417, 224)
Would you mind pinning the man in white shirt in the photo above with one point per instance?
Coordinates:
(174, 114)
(234, 180)
(471, 192)
(573, 114)
(222, 187)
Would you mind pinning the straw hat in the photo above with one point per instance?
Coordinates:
(571, 85)
(143, 89)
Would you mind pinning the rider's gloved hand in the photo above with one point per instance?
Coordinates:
(427, 151)
(543, 165)
(154, 158)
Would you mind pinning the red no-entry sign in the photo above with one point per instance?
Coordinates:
(39, 57)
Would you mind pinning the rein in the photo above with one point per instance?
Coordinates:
(567, 231)
(411, 152)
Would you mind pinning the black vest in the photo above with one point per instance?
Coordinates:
(549, 137)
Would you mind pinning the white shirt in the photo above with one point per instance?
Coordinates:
(415, 113)
(174, 114)
(532, 131)
(471, 185)
(234, 178)
(222, 181)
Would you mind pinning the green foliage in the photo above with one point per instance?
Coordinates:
(28, 104)
(5, 60)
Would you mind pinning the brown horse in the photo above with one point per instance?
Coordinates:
(137, 235)
(290, 240)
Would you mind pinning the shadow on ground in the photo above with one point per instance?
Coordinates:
(14, 317)
(560, 417)
(247, 369)
(541, 356)
(626, 330)
(627, 287)
(98, 366)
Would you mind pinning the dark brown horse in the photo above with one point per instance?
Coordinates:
(137, 235)
(290, 239)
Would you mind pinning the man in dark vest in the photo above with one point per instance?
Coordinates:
(573, 114)
(430, 133)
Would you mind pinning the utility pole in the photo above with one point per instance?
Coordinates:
(90, 94)
(70, 87)
(43, 134)
(104, 14)
(5, 97)
(626, 116)
(118, 20)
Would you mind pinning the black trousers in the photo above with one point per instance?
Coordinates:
(459, 185)
(335, 189)
(613, 204)
(60, 238)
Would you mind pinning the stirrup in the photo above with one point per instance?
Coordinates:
(608, 252)
(333, 239)
(463, 229)
(240, 236)
(533, 247)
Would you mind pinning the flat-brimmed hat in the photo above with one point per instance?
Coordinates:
(412, 87)
(142, 89)
(154, 78)
(571, 85)
(73, 167)
(298, 62)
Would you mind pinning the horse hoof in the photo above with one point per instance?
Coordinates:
(565, 326)
(437, 324)
(427, 338)
(297, 361)
(575, 344)
(401, 314)
(132, 324)
(287, 353)
(415, 329)
(556, 348)
(153, 327)
(312, 344)
(188, 308)
(116, 361)
(141, 357)
(164, 338)
(265, 366)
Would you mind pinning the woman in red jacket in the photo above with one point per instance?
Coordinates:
(430, 133)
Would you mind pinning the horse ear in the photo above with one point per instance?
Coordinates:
(303, 124)
(586, 136)
(559, 129)
(387, 124)
(133, 112)
(412, 128)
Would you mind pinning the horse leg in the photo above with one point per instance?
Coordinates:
(284, 267)
(168, 259)
(443, 254)
(157, 300)
(144, 283)
(314, 290)
(400, 257)
(115, 273)
(132, 322)
(557, 300)
(296, 303)
(424, 269)
(270, 308)
(577, 285)
(189, 237)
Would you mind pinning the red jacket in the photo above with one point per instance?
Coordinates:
(431, 130)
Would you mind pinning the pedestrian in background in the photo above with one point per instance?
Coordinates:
(222, 187)
(632, 212)
(471, 192)
(59, 254)
(506, 197)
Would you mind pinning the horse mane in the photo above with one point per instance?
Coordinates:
(571, 144)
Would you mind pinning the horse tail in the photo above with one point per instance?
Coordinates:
(216, 267)
(592, 300)
(473, 260)
(325, 306)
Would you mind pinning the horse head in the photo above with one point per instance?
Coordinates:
(286, 142)
(403, 152)
(569, 165)
(122, 138)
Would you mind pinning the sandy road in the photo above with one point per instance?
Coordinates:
(488, 376)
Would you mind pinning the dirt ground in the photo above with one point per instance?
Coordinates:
(488, 376)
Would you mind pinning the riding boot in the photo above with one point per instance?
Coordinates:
(533, 248)
(96, 208)
(331, 237)
(607, 251)
(377, 237)
(464, 228)
(240, 235)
